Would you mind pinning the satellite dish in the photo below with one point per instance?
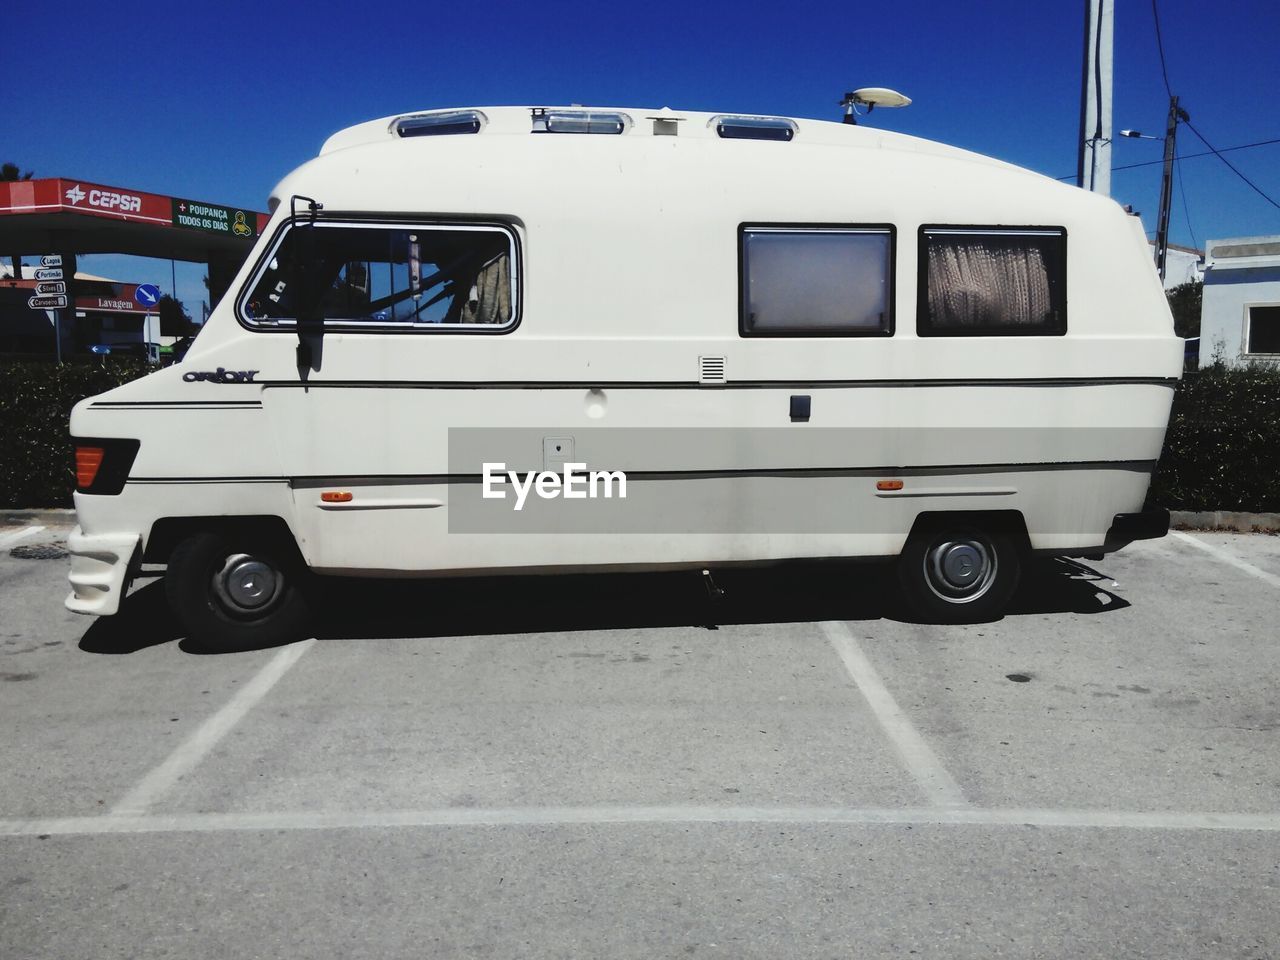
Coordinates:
(871, 97)
(879, 97)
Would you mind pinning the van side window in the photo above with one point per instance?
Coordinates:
(368, 276)
(816, 281)
(978, 281)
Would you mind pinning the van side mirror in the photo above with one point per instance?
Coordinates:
(304, 273)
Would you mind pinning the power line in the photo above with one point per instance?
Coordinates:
(1164, 72)
(1185, 156)
(1218, 153)
(1155, 16)
(1186, 211)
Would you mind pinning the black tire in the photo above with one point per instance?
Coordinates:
(959, 573)
(237, 592)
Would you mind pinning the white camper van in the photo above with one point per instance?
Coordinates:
(691, 340)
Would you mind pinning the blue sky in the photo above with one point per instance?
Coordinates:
(218, 101)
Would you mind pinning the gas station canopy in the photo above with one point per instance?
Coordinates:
(65, 216)
(58, 219)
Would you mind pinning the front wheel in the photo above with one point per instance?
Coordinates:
(957, 573)
(234, 592)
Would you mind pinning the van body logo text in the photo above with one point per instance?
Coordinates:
(220, 376)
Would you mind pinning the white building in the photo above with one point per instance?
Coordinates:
(1240, 317)
(1181, 264)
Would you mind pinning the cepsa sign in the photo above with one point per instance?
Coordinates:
(106, 199)
(96, 199)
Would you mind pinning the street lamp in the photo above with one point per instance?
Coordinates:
(1176, 115)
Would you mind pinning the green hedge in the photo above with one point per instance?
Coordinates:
(36, 397)
(1222, 451)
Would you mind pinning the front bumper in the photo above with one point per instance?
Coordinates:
(1128, 527)
(100, 567)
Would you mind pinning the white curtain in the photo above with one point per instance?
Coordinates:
(985, 282)
(490, 295)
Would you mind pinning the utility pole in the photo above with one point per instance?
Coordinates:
(1176, 113)
(1093, 165)
(66, 319)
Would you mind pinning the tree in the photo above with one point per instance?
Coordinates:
(9, 173)
(1184, 301)
(174, 319)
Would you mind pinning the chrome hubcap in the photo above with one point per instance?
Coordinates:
(246, 584)
(960, 569)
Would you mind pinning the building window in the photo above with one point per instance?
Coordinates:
(1263, 330)
(371, 276)
(816, 281)
(978, 281)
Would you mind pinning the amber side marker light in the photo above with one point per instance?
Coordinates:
(335, 496)
(88, 460)
(888, 484)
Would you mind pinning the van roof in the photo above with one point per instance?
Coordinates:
(649, 122)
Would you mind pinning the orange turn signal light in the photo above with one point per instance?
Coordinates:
(335, 496)
(88, 460)
(888, 484)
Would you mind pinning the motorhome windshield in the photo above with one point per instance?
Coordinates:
(375, 274)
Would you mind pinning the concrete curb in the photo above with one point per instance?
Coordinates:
(1178, 519)
(1224, 520)
(66, 516)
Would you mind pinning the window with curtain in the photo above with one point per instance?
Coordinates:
(984, 282)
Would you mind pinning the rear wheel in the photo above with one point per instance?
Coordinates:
(236, 592)
(959, 573)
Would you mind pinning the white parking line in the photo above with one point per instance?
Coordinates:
(585, 816)
(197, 746)
(7, 540)
(938, 786)
(1225, 557)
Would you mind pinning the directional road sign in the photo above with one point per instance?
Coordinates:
(47, 303)
(45, 289)
(53, 273)
(147, 294)
(51, 260)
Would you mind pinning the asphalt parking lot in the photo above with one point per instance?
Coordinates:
(621, 766)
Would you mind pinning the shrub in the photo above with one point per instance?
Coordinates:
(1222, 451)
(36, 397)
(1184, 302)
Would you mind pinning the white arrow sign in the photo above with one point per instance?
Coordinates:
(44, 289)
(47, 303)
(53, 274)
(51, 260)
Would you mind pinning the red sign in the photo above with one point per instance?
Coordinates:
(57, 195)
(80, 196)
(119, 300)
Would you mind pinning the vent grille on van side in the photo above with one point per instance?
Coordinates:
(711, 370)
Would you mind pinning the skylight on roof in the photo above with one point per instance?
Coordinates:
(754, 128)
(440, 124)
